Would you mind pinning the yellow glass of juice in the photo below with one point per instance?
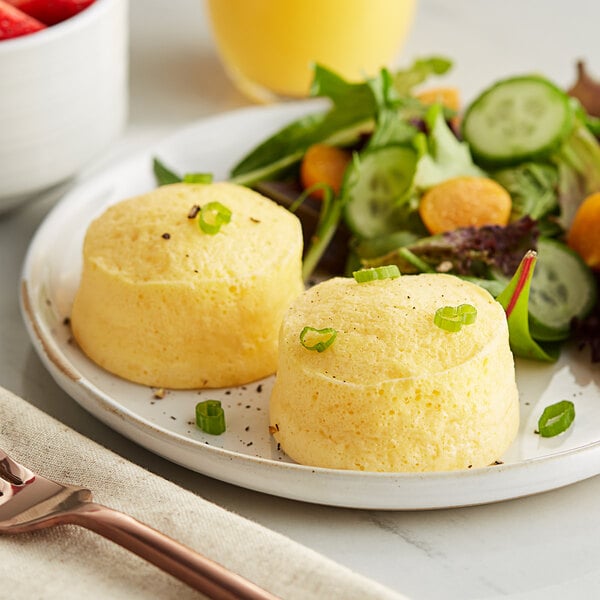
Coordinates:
(268, 47)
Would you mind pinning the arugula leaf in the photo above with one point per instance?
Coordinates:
(515, 300)
(394, 115)
(406, 80)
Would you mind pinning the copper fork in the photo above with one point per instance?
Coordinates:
(29, 501)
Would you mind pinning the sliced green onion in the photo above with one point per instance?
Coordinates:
(448, 319)
(468, 313)
(556, 418)
(318, 339)
(212, 216)
(210, 417)
(452, 318)
(385, 272)
(198, 178)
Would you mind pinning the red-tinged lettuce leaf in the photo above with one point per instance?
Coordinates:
(587, 90)
(515, 300)
(484, 252)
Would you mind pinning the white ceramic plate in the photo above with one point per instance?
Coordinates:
(246, 454)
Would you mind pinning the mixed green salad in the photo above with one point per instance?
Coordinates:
(535, 140)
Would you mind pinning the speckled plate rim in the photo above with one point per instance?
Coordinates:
(532, 465)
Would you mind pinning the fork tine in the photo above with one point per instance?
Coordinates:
(12, 471)
(5, 490)
(29, 502)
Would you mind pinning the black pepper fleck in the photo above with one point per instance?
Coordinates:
(166, 236)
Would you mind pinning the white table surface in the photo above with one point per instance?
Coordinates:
(546, 546)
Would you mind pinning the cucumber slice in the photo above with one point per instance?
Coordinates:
(562, 288)
(517, 119)
(375, 186)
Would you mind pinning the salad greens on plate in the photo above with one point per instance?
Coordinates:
(533, 140)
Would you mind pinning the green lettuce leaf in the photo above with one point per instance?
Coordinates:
(394, 115)
(578, 163)
(443, 155)
(532, 187)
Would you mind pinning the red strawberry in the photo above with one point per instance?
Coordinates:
(51, 12)
(14, 23)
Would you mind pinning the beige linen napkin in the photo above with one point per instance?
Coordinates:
(69, 562)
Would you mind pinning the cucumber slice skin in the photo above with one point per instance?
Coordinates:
(517, 119)
(562, 288)
(375, 185)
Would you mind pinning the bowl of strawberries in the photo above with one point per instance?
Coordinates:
(64, 81)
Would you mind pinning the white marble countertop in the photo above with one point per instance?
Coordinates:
(543, 546)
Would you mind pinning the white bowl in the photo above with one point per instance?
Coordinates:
(63, 100)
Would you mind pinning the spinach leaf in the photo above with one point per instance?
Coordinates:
(354, 108)
(164, 175)
(352, 112)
